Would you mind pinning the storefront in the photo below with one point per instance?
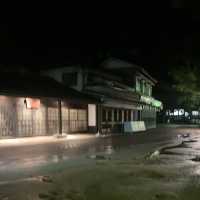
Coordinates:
(22, 116)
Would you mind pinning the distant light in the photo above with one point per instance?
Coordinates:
(186, 114)
(175, 112)
(181, 112)
(32, 103)
(195, 113)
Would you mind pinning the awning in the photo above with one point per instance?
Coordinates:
(121, 104)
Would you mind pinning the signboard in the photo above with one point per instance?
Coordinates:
(91, 115)
(152, 101)
(134, 126)
(32, 103)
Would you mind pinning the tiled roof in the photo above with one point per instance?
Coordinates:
(38, 87)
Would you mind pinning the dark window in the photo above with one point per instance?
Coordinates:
(104, 115)
(109, 115)
(115, 115)
(141, 86)
(70, 79)
(139, 115)
(125, 115)
(134, 115)
(129, 115)
(120, 115)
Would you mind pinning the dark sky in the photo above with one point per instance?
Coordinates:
(159, 41)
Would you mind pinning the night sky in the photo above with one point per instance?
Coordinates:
(156, 42)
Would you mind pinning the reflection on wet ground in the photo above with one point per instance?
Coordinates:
(30, 157)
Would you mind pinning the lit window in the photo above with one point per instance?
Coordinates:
(137, 84)
(150, 90)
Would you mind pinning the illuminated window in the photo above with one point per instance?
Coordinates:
(137, 84)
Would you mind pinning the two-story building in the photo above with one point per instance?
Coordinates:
(123, 90)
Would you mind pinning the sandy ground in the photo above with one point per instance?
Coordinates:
(103, 168)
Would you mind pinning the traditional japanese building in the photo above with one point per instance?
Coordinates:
(38, 106)
(114, 98)
(123, 90)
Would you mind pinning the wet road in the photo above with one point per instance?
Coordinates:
(16, 160)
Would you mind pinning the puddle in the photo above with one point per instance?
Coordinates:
(183, 145)
(99, 157)
(109, 150)
(44, 179)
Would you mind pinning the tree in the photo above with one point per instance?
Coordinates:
(187, 84)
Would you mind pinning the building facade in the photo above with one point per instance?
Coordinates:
(115, 98)
(22, 116)
(124, 91)
(31, 106)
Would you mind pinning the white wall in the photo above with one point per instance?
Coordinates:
(92, 115)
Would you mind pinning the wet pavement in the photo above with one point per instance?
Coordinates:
(23, 160)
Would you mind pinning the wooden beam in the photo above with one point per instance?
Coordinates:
(60, 116)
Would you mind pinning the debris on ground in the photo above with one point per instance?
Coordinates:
(58, 135)
(166, 196)
(196, 158)
(43, 196)
(153, 155)
(3, 196)
(98, 157)
(46, 179)
(164, 150)
(185, 135)
(188, 141)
